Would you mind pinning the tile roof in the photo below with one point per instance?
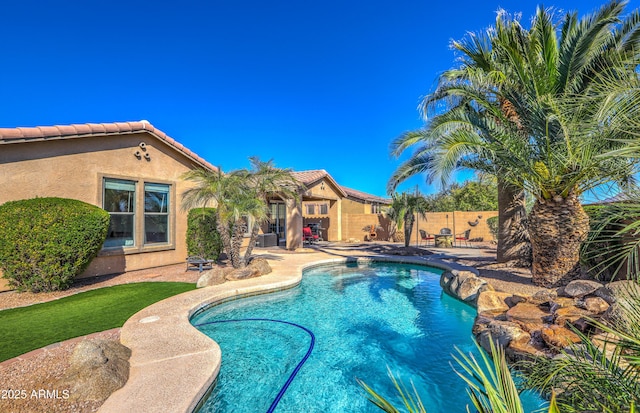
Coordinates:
(45, 133)
(365, 196)
(309, 178)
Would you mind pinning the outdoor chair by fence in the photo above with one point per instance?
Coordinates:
(463, 237)
(426, 237)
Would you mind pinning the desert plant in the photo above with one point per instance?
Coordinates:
(46, 242)
(203, 238)
(492, 223)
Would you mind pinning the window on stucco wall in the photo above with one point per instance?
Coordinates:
(156, 213)
(137, 219)
(119, 201)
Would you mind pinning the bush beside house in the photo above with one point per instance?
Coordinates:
(203, 238)
(46, 242)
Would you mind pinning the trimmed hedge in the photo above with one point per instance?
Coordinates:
(203, 238)
(46, 242)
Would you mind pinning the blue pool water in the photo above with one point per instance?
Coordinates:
(364, 319)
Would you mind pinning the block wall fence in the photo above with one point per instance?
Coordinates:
(355, 225)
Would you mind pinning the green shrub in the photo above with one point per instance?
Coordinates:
(203, 238)
(46, 242)
(492, 223)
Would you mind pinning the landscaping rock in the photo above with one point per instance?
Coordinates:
(558, 337)
(211, 277)
(561, 302)
(261, 265)
(569, 314)
(446, 279)
(543, 296)
(606, 294)
(502, 333)
(520, 350)
(527, 313)
(463, 285)
(623, 289)
(514, 300)
(580, 288)
(241, 274)
(97, 368)
(492, 302)
(595, 305)
(469, 288)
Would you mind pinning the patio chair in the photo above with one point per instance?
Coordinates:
(426, 237)
(464, 237)
(308, 236)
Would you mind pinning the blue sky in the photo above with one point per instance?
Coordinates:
(312, 85)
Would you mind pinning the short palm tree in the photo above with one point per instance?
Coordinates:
(403, 210)
(266, 180)
(235, 203)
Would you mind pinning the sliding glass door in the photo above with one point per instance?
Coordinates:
(277, 223)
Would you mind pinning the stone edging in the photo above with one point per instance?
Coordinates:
(173, 365)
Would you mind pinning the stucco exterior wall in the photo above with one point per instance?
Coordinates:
(324, 192)
(350, 206)
(75, 168)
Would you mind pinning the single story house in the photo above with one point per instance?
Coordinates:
(131, 169)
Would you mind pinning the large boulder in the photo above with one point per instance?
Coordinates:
(492, 302)
(97, 368)
(211, 277)
(527, 313)
(502, 333)
(463, 285)
(241, 274)
(260, 265)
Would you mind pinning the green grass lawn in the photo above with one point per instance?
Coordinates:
(28, 328)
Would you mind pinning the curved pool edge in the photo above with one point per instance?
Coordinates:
(173, 365)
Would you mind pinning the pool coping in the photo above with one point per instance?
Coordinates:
(173, 366)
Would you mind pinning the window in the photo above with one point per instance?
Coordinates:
(119, 200)
(140, 214)
(324, 209)
(311, 209)
(156, 213)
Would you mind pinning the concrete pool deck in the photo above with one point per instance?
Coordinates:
(173, 365)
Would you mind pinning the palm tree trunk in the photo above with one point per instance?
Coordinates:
(252, 242)
(513, 236)
(236, 243)
(225, 236)
(408, 228)
(557, 228)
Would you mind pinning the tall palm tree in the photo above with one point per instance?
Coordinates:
(403, 210)
(267, 180)
(533, 120)
(438, 155)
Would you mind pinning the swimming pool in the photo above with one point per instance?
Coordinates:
(364, 318)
